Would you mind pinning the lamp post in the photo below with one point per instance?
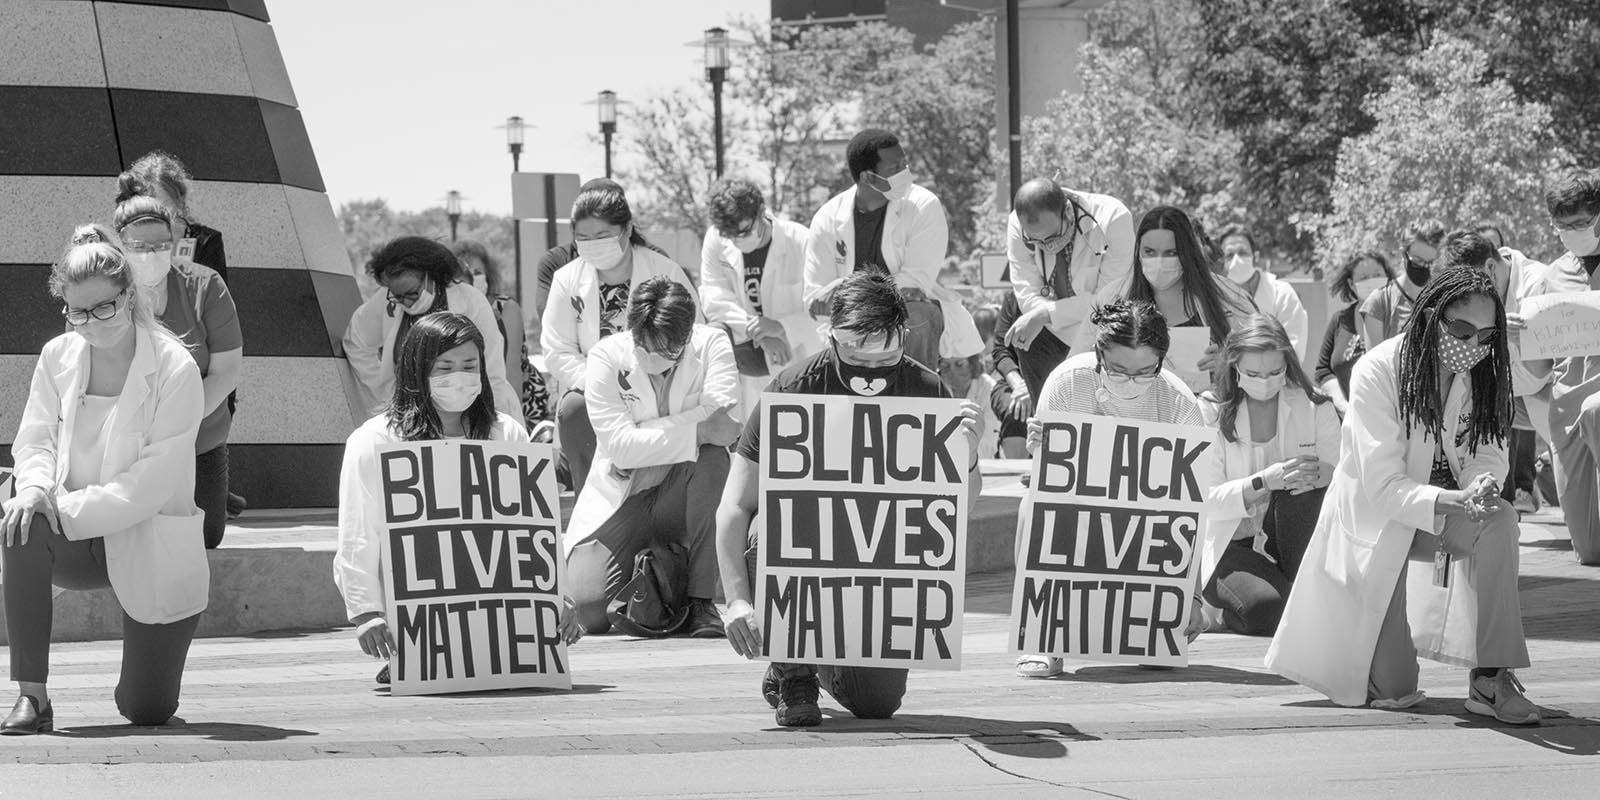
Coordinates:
(452, 210)
(515, 129)
(607, 104)
(716, 45)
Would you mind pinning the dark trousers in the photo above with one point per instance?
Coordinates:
(1248, 586)
(867, 692)
(682, 509)
(924, 328)
(211, 492)
(1524, 446)
(152, 655)
(576, 435)
(1043, 355)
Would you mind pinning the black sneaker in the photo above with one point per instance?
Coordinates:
(704, 621)
(383, 676)
(769, 687)
(797, 701)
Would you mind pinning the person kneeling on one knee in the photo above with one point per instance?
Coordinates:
(662, 397)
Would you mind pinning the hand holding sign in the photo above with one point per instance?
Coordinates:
(373, 633)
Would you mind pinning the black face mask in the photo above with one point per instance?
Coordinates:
(864, 381)
(1417, 272)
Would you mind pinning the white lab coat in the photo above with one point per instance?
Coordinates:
(1379, 497)
(143, 506)
(915, 238)
(1304, 428)
(358, 564)
(571, 321)
(630, 433)
(369, 345)
(1101, 256)
(1277, 299)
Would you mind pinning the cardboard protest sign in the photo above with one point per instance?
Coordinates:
(1561, 325)
(1188, 346)
(472, 566)
(1112, 526)
(863, 534)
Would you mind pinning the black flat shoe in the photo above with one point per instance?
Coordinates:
(26, 718)
(383, 676)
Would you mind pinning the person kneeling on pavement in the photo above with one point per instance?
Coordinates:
(865, 356)
(662, 396)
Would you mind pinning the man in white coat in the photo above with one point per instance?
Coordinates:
(752, 279)
(1414, 550)
(661, 395)
(1276, 298)
(887, 220)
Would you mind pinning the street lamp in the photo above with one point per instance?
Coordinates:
(452, 210)
(607, 104)
(515, 129)
(716, 45)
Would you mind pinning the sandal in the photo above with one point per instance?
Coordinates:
(1038, 666)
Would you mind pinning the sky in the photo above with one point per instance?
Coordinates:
(402, 98)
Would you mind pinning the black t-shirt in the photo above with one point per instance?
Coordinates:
(818, 375)
(869, 236)
(755, 263)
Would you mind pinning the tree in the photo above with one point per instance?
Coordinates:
(1448, 142)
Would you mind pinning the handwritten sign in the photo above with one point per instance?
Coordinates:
(1188, 346)
(1561, 325)
(864, 531)
(472, 566)
(1113, 522)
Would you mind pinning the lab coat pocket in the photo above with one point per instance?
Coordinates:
(180, 571)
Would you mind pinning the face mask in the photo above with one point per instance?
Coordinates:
(424, 302)
(1123, 387)
(865, 381)
(1417, 272)
(1581, 242)
(1364, 289)
(899, 185)
(601, 253)
(1261, 388)
(104, 334)
(1163, 272)
(481, 283)
(150, 269)
(1241, 268)
(454, 392)
(1458, 356)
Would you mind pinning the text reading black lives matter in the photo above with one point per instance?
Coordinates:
(473, 565)
(864, 518)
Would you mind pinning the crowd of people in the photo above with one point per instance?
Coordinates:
(1362, 514)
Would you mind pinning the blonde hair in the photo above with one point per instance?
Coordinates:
(96, 252)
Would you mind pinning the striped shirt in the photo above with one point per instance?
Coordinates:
(1074, 387)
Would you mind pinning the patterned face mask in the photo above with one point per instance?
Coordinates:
(1458, 356)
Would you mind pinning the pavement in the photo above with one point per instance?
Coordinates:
(295, 713)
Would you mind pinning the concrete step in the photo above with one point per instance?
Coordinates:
(274, 570)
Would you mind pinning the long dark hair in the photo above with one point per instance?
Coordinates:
(1421, 402)
(411, 412)
(1203, 291)
(1258, 334)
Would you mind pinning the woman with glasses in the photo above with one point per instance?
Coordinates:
(1121, 377)
(1280, 440)
(418, 277)
(105, 474)
(1383, 313)
(1414, 550)
(193, 303)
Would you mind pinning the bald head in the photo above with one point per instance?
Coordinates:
(1038, 197)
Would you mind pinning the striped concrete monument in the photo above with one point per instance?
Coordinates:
(86, 88)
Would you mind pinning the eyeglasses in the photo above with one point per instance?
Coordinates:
(407, 299)
(1118, 376)
(1464, 331)
(102, 312)
(1048, 240)
(754, 225)
(136, 246)
(1576, 226)
(893, 339)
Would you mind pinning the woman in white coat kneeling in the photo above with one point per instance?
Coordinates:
(105, 488)
(1414, 550)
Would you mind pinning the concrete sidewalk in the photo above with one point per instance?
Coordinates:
(296, 714)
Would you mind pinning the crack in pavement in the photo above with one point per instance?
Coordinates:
(967, 743)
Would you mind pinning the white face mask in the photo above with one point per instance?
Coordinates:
(1365, 288)
(424, 302)
(1261, 388)
(150, 269)
(481, 283)
(899, 184)
(1581, 242)
(601, 253)
(750, 242)
(107, 333)
(1126, 387)
(1241, 268)
(455, 392)
(1163, 272)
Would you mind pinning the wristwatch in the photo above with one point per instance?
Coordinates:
(1257, 483)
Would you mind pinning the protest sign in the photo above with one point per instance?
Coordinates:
(863, 530)
(1187, 346)
(472, 566)
(1113, 522)
(5, 483)
(1561, 325)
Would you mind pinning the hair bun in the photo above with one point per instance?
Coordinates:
(88, 234)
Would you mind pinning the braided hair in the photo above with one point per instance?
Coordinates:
(1421, 401)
